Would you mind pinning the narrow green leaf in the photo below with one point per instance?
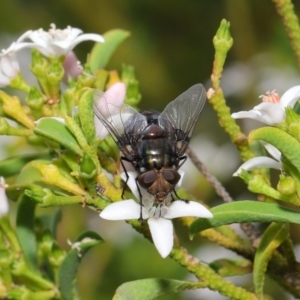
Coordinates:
(13, 165)
(284, 142)
(86, 115)
(243, 212)
(102, 52)
(54, 220)
(28, 175)
(275, 234)
(59, 133)
(152, 288)
(25, 230)
(68, 269)
(51, 221)
(230, 267)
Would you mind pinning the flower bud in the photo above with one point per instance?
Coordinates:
(35, 99)
(133, 95)
(86, 78)
(55, 72)
(223, 40)
(39, 64)
(87, 167)
(286, 185)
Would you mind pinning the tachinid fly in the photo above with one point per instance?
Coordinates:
(154, 143)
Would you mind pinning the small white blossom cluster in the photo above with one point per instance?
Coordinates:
(52, 43)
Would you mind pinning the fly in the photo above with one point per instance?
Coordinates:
(154, 143)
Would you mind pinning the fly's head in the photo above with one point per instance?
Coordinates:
(159, 183)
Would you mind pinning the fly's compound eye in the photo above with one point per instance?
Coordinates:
(172, 176)
(147, 179)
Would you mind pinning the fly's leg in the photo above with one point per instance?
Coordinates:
(141, 202)
(185, 200)
(184, 158)
(127, 176)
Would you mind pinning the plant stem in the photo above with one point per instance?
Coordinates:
(206, 274)
(285, 9)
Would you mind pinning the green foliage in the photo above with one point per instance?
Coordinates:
(69, 266)
(69, 165)
(152, 288)
(243, 212)
(101, 53)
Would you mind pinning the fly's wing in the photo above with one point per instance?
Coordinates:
(181, 115)
(124, 123)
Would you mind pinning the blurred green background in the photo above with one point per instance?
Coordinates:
(171, 49)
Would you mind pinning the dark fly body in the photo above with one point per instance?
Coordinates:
(154, 143)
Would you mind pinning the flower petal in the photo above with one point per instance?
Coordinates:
(273, 113)
(273, 151)
(8, 67)
(180, 208)
(267, 113)
(69, 44)
(122, 210)
(4, 80)
(251, 114)
(101, 131)
(71, 66)
(162, 235)
(115, 94)
(258, 162)
(291, 96)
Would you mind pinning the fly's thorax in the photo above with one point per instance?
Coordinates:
(155, 151)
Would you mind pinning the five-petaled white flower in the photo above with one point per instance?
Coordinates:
(58, 42)
(158, 215)
(4, 207)
(272, 110)
(262, 161)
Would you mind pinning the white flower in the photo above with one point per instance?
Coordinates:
(9, 66)
(58, 42)
(158, 215)
(4, 207)
(114, 95)
(262, 161)
(272, 110)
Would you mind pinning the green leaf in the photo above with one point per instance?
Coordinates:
(86, 115)
(51, 221)
(13, 165)
(102, 52)
(275, 234)
(68, 269)
(230, 267)
(152, 288)
(27, 176)
(284, 142)
(59, 133)
(243, 212)
(25, 230)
